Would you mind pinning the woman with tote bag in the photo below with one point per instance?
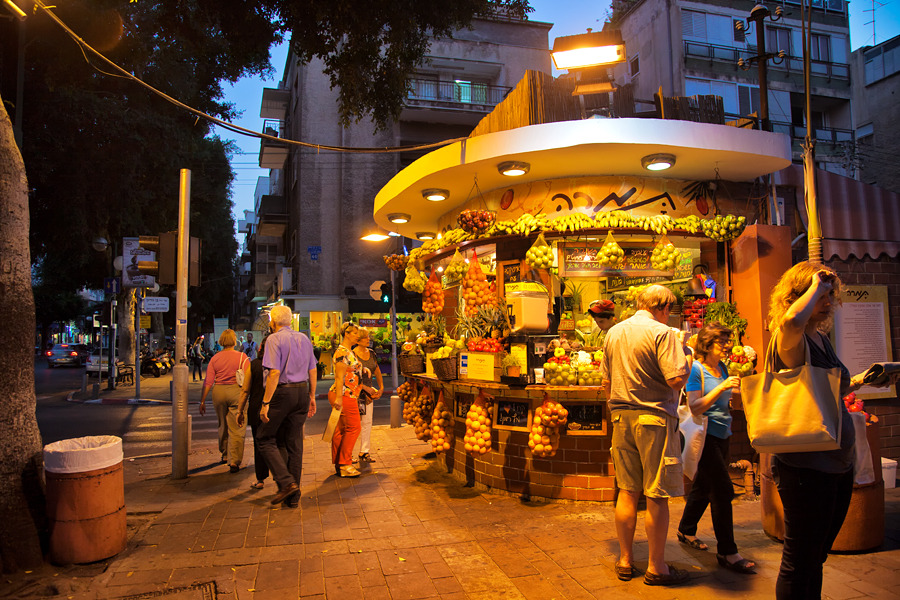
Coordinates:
(712, 484)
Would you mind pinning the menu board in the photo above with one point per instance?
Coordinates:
(586, 419)
(512, 272)
(861, 333)
(511, 414)
(581, 259)
(463, 403)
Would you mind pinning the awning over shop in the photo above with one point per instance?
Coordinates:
(858, 219)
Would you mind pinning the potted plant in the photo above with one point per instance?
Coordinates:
(511, 365)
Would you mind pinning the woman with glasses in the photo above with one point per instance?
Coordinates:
(709, 390)
(348, 376)
(366, 401)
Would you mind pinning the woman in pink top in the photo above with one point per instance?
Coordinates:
(221, 378)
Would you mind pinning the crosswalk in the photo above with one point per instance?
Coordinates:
(153, 435)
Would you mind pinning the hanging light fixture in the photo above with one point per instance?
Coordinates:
(425, 235)
(513, 168)
(658, 162)
(399, 218)
(589, 49)
(435, 194)
(375, 235)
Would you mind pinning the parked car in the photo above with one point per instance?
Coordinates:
(67, 354)
(98, 362)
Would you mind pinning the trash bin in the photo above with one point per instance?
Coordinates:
(85, 498)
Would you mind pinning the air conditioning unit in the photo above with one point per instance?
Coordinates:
(285, 279)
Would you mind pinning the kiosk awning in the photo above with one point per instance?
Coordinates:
(858, 219)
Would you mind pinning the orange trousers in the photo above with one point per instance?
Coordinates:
(346, 433)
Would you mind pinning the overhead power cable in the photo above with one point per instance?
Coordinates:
(222, 123)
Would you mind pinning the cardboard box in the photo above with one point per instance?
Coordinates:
(483, 366)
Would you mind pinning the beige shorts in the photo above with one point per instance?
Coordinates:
(646, 453)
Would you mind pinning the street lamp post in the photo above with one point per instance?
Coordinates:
(814, 227)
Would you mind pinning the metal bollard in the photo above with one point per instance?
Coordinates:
(95, 392)
(396, 412)
(84, 380)
(190, 431)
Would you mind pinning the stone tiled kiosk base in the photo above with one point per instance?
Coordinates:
(581, 469)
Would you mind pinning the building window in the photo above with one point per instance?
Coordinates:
(748, 100)
(634, 66)
(738, 33)
(820, 48)
(470, 92)
(693, 24)
(778, 38)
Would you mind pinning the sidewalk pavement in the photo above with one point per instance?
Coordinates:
(406, 530)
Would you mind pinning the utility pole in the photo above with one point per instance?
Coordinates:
(814, 227)
(180, 422)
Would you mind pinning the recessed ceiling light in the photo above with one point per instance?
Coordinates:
(658, 162)
(435, 194)
(399, 218)
(513, 168)
(425, 235)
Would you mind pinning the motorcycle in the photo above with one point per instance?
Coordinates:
(150, 365)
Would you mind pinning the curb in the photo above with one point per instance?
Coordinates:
(70, 397)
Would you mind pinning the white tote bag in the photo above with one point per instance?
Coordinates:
(693, 428)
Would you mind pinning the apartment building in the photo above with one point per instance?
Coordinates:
(318, 204)
(699, 47)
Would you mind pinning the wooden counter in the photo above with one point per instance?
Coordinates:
(582, 467)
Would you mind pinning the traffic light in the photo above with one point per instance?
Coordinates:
(386, 295)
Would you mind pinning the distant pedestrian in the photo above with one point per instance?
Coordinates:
(251, 399)
(643, 369)
(221, 378)
(289, 398)
(196, 355)
(371, 375)
(249, 347)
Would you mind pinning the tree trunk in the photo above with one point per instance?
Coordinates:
(125, 308)
(21, 461)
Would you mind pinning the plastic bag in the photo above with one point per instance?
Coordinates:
(540, 255)
(433, 296)
(611, 255)
(665, 256)
(693, 428)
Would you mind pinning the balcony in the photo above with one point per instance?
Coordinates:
(469, 100)
(704, 57)
(272, 216)
(273, 154)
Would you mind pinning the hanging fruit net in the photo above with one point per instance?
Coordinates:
(549, 418)
(665, 256)
(540, 255)
(441, 426)
(423, 409)
(611, 255)
(456, 269)
(433, 295)
(476, 221)
(396, 262)
(475, 287)
(478, 425)
(414, 282)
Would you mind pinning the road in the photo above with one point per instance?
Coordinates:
(144, 428)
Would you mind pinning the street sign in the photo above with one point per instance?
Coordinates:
(156, 304)
(375, 289)
(111, 285)
(145, 321)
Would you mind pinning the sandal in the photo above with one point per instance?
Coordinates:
(257, 486)
(695, 543)
(366, 457)
(625, 572)
(674, 577)
(349, 471)
(742, 566)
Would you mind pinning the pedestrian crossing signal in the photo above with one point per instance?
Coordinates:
(386, 293)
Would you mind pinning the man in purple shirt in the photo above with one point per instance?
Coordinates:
(289, 398)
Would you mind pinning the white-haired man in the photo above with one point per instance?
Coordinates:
(290, 397)
(644, 366)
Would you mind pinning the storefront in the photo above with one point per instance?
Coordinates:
(516, 260)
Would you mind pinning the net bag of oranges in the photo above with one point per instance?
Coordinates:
(611, 255)
(409, 393)
(549, 418)
(540, 255)
(441, 426)
(478, 425)
(665, 256)
(422, 419)
(433, 296)
(475, 287)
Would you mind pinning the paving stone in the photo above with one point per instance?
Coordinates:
(283, 574)
(410, 586)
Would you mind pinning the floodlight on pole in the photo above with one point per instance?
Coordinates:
(588, 50)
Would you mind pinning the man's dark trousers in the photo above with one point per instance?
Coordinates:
(287, 414)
